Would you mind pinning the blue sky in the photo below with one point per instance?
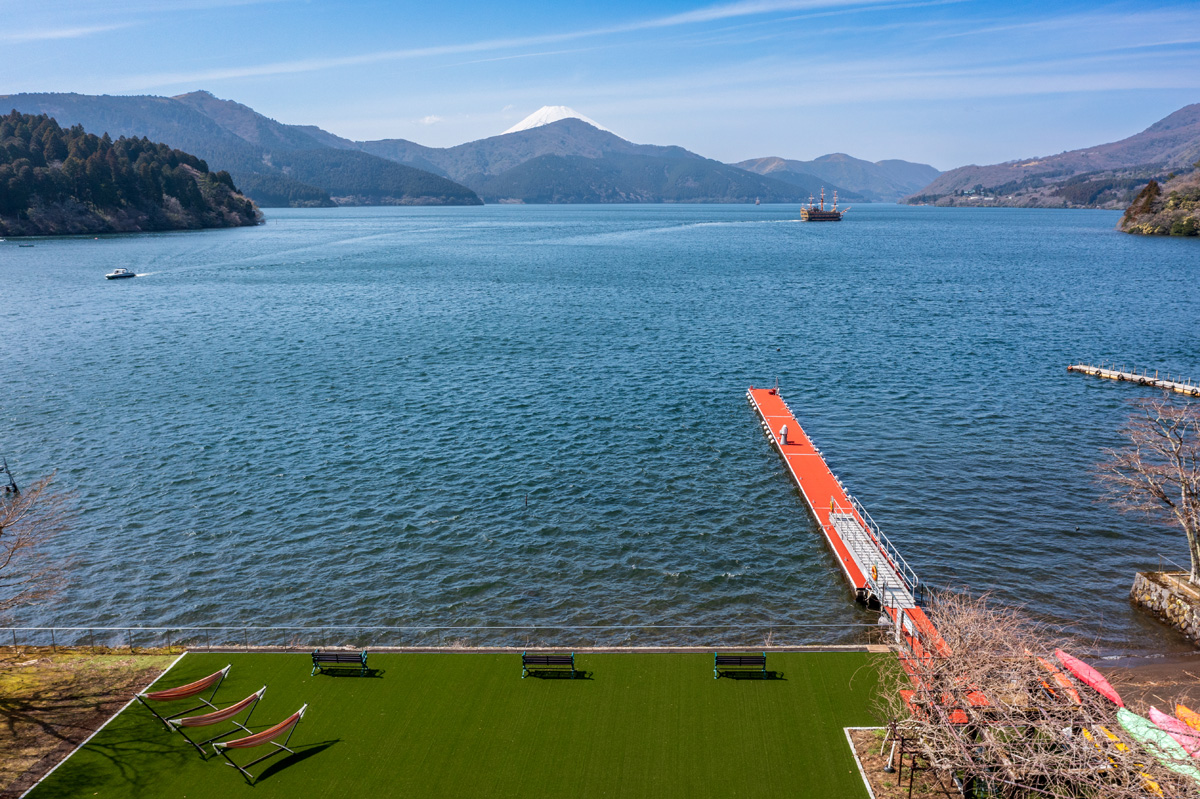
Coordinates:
(947, 82)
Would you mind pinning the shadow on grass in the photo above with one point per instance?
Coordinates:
(333, 671)
(753, 675)
(559, 674)
(302, 753)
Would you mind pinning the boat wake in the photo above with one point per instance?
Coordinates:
(626, 234)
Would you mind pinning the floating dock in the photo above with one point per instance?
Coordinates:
(1144, 378)
(875, 569)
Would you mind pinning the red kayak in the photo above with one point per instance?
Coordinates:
(1061, 679)
(1089, 676)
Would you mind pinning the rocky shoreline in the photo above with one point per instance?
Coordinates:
(1169, 209)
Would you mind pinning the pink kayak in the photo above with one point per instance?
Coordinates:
(1089, 676)
(1184, 735)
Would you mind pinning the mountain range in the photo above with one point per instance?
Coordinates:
(272, 163)
(568, 159)
(881, 181)
(554, 155)
(1104, 176)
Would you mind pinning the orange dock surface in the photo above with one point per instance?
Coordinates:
(872, 565)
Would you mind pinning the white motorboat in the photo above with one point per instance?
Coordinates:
(120, 273)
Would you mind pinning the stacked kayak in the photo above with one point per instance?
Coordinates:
(1173, 742)
(1089, 677)
(1184, 735)
(1063, 681)
(1163, 747)
(1188, 716)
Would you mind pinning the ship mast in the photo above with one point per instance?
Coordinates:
(822, 198)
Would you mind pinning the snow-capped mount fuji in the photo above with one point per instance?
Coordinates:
(552, 113)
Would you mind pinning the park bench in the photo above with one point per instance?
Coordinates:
(543, 662)
(730, 661)
(339, 660)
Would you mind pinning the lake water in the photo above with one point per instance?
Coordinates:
(536, 415)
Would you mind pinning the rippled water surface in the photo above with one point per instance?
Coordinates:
(511, 415)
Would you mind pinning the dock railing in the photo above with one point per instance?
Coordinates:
(906, 573)
(1164, 559)
(1122, 373)
(301, 638)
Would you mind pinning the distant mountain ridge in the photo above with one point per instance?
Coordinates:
(625, 178)
(1106, 176)
(571, 160)
(553, 155)
(273, 163)
(881, 181)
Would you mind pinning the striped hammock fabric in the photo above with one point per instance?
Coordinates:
(191, 689)
(217, 716)
(260, 738)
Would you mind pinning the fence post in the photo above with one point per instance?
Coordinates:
(130, 634)
(53, 643)
(92, 639)
(206, 644)
(168, 640)
(246, 637)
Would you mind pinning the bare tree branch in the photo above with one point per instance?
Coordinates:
(1157, 473)
(997, 716)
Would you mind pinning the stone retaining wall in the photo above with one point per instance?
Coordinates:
(1170, 597)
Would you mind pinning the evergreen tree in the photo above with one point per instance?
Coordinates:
(99, 184)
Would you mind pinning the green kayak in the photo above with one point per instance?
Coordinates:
(1164, 748)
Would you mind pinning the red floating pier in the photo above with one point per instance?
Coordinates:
(879, 575)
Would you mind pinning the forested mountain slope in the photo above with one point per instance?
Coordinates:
(55, 180)
(256, 150)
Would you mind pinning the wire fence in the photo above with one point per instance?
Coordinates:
(250, 638)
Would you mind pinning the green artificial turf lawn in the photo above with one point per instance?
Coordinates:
(466, 725)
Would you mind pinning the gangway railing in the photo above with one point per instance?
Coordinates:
(889, 551)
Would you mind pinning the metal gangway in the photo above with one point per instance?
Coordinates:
(890, 579)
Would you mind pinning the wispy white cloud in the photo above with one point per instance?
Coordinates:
(745, 8)
(432, 119)
(1101, 24)
(48, 34)
(515, 56)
